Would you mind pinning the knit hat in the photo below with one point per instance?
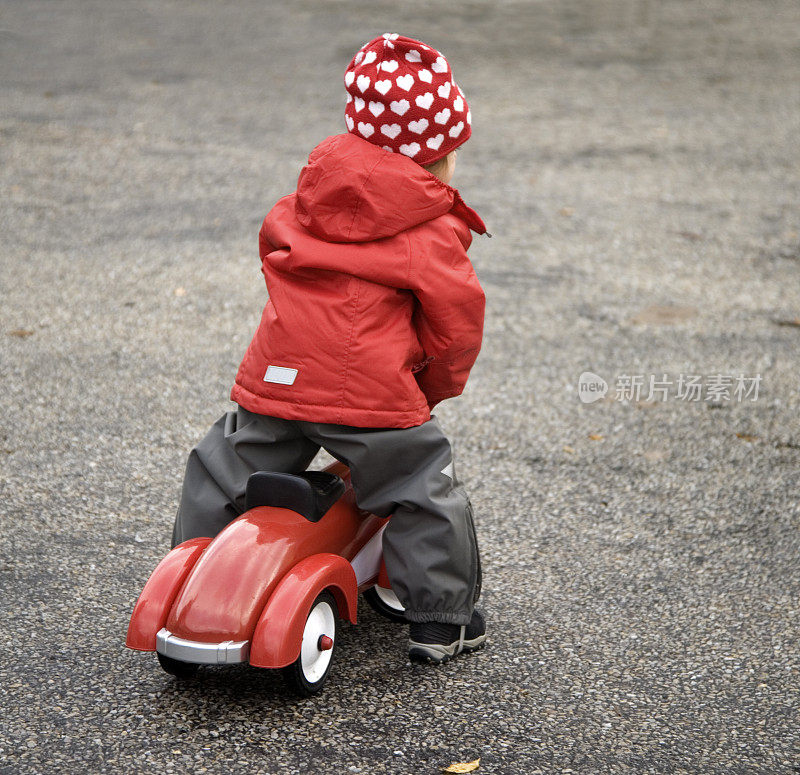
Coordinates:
(401, 96)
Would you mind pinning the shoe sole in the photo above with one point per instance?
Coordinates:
(438, 653)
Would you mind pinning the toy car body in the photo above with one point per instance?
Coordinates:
(270, 587)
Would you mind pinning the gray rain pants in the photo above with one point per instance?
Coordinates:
(429, 544)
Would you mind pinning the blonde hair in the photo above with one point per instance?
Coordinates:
(439, 167)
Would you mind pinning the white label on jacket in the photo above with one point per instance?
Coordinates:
(283, 375)
(448, 470)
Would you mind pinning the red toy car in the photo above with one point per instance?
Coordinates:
(271, 586)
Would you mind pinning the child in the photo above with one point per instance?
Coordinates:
(374, 316)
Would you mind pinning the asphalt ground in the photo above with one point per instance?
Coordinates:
(638, 166)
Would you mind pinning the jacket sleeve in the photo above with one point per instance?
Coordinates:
(448, 317)
(264, 246)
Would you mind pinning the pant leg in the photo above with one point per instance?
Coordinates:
(238, 444)
(429, 544)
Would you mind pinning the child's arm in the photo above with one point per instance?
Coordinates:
(449, 318)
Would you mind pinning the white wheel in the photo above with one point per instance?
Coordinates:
(389, 599)
(307, 674)
(314, 658)
(385, 602)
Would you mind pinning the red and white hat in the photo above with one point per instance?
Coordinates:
(401, 96)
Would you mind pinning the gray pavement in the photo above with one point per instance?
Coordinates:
(637, 164)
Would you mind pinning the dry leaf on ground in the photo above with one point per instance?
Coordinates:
(595, 437)
(21, 333)
(793, 322)
(462, 766)
(660, 314)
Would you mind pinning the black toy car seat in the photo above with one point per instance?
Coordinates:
(310, 493)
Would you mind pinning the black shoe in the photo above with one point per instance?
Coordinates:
(438, 642)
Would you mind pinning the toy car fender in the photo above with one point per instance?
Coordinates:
(154, 604)
(278, 635)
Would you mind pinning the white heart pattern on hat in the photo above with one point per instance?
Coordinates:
(411, 87)
(405, 81)
(400, 107)
(391, 130)
(412, 149)
(434, 142)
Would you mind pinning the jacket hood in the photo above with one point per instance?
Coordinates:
(354, 191)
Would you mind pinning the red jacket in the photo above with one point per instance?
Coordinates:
(375, 313)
